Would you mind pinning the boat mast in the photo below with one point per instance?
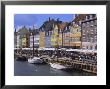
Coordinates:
(57, 42)
(33, 40)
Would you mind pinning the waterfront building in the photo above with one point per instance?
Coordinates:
(60, 38)
(75, 36)
(42, 39)
(24, 42)
(89, 32)
(72, 36)
(66, 38)
(48, 27)
(48, 39)
(88, 23)
(34, 36)
(18, 41)
(61, 29)
(36, 40)
(23, 38)
(54, 36)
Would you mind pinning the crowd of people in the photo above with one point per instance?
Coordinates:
(74, 55)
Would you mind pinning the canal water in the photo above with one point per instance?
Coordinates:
(25, 69)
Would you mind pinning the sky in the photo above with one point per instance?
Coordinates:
(37, 19)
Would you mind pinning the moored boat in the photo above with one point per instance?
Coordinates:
(59, 66)
(35, 60)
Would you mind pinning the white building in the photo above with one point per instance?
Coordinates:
(36, 41)
(18, 41)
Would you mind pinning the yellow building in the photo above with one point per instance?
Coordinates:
(54, 37)
(61, 29)
(22, 39)
(72, 37)
(24, 42)
(42, 40)
(57, 34)
(75, 36)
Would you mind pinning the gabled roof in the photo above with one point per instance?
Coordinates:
(23, 31)
(80, 17)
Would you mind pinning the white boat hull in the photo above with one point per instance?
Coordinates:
(35, 60)
(58, 66)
